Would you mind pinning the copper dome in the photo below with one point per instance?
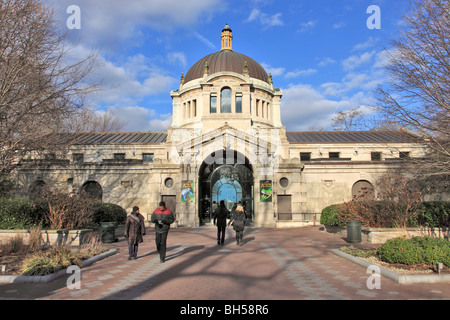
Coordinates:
(226, 60)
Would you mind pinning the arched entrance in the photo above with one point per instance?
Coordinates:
(225, 175)
(94, 189)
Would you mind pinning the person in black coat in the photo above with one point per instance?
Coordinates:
(221, 215)
(238, 222)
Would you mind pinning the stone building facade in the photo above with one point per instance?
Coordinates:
(226, 142)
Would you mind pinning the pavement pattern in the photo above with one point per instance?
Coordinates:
(272, 264)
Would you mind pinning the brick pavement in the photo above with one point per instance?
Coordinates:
(273, 264)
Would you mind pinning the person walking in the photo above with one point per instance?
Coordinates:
(238, 222)
(134, 232)
(221, 215)
(162, 217)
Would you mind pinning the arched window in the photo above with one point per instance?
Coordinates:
(363, 190)
(93, 189)
(225, 101)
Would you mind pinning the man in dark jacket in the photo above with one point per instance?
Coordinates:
(162, 218)
(221, 214)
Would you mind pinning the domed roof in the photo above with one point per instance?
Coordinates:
(226, 60)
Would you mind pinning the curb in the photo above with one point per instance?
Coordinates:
(53, 276)
(399, 278)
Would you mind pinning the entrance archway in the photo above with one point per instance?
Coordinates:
(225, 175)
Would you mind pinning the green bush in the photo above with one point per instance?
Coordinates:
(24, 213)
(19, 213)
(331, 216)
(108, 212)
(434, 214)
(417, 250)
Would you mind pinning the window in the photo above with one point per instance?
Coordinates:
(168, 182)
(404, 154)
(334, 155)
(305, 156)
(119, 156)
(147, 157)
(284, 182)
(238, 104)
(225, 101)
(375, 156)
(78, 158)
(213, 105)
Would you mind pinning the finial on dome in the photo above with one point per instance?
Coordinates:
(206, 70)
(227, 38)
(245, 71)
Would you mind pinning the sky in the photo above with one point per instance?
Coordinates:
(321, 54)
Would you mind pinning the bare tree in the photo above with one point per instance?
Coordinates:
(418, 93)
(39, 87)
(348, 120)
(88, 120)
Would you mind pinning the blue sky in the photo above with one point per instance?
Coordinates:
(320, 53)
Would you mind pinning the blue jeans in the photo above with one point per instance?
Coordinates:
(132, 250)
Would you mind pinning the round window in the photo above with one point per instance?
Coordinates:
(284, 182)
(168, 183)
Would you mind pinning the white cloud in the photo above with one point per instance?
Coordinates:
(304, 107)
(141, 119)
(357, 60)
(177, 58)
(300, 73)
(326, 62)
(130, 82)
(109, 25)
(265, 19)
(305, 26)
(371, 42)
(274, 71)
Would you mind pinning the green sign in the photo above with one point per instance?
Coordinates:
(265, 191)
(187, 191)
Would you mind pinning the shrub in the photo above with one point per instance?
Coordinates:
(434, 214)
(331, 216)
(108, 212)
(19, 213)
(57, 258)
(417, 250)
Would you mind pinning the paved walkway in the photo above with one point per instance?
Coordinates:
(273, 264)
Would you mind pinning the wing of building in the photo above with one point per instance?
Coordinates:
(226, 142)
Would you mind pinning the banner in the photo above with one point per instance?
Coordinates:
(265, 190)
(187, 191)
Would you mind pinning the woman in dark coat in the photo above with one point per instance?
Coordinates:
(238, 222)
(221, 215)
(134, 232)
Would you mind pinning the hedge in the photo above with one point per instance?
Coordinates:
(417, 250)
(24, 213)
(20, 213)
(385, 214)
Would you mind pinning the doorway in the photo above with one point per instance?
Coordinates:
(225, 175)
(284, 207)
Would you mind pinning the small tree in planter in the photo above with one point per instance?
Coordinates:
(67, 211)
(397, 188)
